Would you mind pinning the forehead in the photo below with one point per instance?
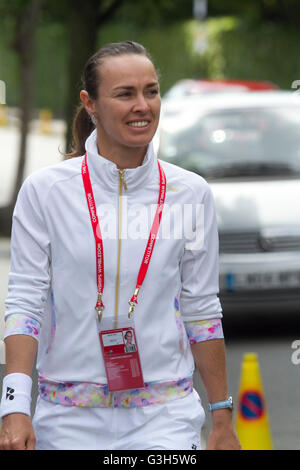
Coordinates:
(127, 70)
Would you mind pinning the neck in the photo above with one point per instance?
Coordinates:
(123, 157)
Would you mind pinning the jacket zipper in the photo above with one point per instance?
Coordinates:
(122, 184)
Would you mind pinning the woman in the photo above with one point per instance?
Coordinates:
(129, 345)
(88, 201)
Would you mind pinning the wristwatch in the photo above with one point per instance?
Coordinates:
(219, 405)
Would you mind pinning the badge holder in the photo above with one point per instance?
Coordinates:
(120, 353)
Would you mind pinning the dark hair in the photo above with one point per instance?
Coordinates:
(82, 124)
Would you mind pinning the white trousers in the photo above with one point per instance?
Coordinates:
(173, 425)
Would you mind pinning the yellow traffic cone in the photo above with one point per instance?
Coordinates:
(252, 424)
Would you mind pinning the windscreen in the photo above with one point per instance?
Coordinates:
(236, 142)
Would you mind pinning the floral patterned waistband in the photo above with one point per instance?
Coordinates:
(94, 395)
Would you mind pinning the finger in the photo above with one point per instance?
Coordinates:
(4, 444)
(30, 444)
(17, 443)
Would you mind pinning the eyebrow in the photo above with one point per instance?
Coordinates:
(124, 87)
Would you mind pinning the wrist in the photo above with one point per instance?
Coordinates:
(16, 394)
(221, 418)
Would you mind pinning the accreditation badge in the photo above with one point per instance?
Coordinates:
(120, 353)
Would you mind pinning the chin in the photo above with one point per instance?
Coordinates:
(139, 145)
(141, 141)
(136, 144)
(137, 141)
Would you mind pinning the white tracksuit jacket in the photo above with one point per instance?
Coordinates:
(53, 265)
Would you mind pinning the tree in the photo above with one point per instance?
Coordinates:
(83, 21)
(26, 14)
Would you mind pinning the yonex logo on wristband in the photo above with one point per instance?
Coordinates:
(10, 393)
(16, 394)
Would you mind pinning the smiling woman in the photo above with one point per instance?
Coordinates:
(98, 390)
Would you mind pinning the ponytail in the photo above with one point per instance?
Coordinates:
(82, 128)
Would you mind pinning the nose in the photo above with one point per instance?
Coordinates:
(141, 104)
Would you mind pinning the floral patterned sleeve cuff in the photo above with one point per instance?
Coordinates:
(203, 330)
(16, 324)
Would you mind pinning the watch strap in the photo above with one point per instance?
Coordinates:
(219, 405)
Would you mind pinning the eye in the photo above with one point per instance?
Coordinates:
(125, 94)
(153, 92)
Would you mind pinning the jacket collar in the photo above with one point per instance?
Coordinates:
(106, 172)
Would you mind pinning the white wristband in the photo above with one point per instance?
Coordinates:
(16, 394)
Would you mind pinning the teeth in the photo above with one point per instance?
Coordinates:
(138, 123)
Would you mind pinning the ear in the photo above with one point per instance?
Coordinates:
(87, 102)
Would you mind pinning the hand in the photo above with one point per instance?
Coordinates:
(222, 435)
(17, 432)
(223, 438)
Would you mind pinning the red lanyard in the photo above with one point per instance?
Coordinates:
(98, 237)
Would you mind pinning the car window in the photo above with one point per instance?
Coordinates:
(235, 142)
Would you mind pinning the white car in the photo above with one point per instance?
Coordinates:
(247, 146)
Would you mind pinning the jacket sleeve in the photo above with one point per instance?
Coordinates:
(199, 266)
(29, 277)
(204, 330)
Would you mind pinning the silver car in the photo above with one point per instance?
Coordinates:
(247, 146)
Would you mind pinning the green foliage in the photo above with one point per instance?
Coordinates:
(225, 47)
(266, 51)
(51, 68)
(155, 13)
(285, 12)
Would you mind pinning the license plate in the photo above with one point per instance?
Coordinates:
(263, 280)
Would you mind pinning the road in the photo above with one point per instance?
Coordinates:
(270, 337)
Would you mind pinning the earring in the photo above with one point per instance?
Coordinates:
(93, 119)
